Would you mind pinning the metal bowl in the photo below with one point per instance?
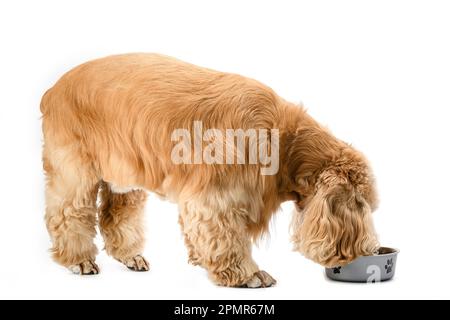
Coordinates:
(376, 268)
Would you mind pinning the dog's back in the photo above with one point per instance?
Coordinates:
(118, 113)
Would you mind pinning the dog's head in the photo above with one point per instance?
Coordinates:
(332, 224)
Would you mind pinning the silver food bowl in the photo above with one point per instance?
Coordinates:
(375, 268)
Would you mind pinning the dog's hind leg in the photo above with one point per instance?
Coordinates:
(71, 194)
(122, 227)
(218, 240)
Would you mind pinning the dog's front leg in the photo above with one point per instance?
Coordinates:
(217, 239)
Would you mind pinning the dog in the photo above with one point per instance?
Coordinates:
(108, 130)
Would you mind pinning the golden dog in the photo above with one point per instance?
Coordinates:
(108, 133)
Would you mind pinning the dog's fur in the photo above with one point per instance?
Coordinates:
(107, 126)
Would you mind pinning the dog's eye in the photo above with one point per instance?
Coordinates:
(298, 197)
(300, 206)
(299, 202)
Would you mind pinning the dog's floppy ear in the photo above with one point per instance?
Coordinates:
(335, 226)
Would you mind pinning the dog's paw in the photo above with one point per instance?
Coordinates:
(137, 263)
(260, 279)
(87, 267)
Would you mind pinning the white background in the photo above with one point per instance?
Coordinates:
(377, 73)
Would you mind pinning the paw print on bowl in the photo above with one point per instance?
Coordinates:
(389, 266)
(337, 270)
